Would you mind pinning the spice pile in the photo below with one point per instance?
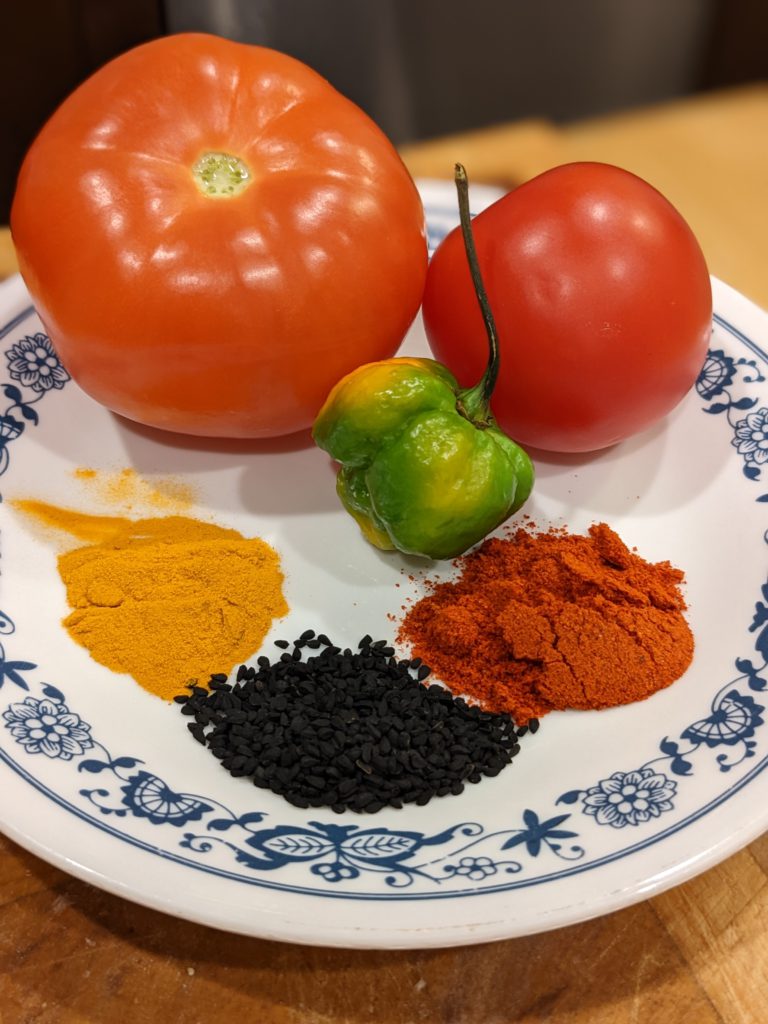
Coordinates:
(543, 621)
(166, 600)
(348, 730)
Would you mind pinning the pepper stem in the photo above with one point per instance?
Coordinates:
(474, 402)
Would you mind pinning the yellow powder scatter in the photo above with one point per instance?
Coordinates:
(166, 600)
(127, 489)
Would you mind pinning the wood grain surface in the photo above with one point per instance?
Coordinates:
(697, 954)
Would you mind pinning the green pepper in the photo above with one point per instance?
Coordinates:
(424, 467)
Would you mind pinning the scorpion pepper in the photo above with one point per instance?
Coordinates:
(424, 467)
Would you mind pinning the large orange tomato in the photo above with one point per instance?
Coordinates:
(213, 236)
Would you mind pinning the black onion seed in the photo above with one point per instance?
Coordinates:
(350, 731)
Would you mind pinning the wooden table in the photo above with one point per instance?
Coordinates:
(695, 955)
(708, 156)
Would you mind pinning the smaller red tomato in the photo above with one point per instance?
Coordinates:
(602, 302)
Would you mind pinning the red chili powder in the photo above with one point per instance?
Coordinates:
(538, 622)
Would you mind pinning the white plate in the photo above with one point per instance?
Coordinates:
(132, 804)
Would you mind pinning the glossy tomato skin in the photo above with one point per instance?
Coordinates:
(224, 316)
(602, 301)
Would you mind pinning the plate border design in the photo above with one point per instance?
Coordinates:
(389, 896)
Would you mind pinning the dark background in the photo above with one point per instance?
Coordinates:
(419, 67)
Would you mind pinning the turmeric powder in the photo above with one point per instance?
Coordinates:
(127, 490)
(166, 600)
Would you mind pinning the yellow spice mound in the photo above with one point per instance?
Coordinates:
(166, 600)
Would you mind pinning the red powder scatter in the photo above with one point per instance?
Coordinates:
(538, 622)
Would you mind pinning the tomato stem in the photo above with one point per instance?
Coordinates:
(474, 402)
(221, 175)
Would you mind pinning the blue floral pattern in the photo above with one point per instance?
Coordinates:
(733, 721)
(33, 363)
(716, 374)
(629, 798)
(723, 377)
(476, 868)
(751, 437)
(146, 796)
(48, 727)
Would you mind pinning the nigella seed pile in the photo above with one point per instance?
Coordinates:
(348, 730)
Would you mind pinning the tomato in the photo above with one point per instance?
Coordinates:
(602, 302)
(213, 236)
